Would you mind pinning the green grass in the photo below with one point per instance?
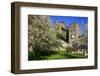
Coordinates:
(55, 55)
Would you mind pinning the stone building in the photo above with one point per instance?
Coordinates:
(74, 32)
(59, 26)
(71, 38)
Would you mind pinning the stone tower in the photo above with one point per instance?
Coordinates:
(74, 32)
(59, 26)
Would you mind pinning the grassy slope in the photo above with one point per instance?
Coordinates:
(55, 55)
(64, 55)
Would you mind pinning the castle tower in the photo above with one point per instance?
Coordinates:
(74, 32)
(59, 26)
(56, 25)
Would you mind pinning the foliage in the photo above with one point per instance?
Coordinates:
(80, 45)
(41, 35)
(45, 41)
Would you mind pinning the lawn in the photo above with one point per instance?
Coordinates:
(55, 55)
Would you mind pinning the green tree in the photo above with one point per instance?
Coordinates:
(41, 35)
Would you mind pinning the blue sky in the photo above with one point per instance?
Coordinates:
(82, 21)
